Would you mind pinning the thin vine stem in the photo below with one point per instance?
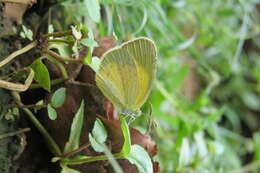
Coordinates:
(14, 133)
(49, 140)
(18, 52)
(19, 1)
(17, 86)
(57, 34)
(92, 159)
(61, 40)
(83, 147)
(53, 82)
(61, 58)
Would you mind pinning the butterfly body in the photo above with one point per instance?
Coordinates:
(126, 74)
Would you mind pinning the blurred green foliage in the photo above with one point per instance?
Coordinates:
(217, 130)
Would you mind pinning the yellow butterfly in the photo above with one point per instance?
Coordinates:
(126, 74)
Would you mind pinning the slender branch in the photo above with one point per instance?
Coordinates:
(61, 40)
(14, 133)
(53, 82)
(92, 159)
(49, 140)
(83, 147)
(18, 52)
(17, 86)
(73, 82)
(57, 34)
(63, 59)
(60, 66)
(30, 106)
(27, 2)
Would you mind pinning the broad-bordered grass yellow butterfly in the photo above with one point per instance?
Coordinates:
(126, 74)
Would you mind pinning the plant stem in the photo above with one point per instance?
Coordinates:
(112, 160)
(14, 133)
(60, 66)
(57, 34)
(30, 106)
(53, 82)
(83, 147)
(18, 52)
(73, 82)
(61, 40)
(63, 59)
(18, 86)
(91, 159)
(49, 140)
(18, 1)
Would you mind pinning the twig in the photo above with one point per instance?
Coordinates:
(73, 82)
(14, 133)
(18, 52)
(63, 59)
(30, 106)
(49, 140)
(61, 40)
(60, 66)
(27, 2)
(53, 82)
(17, 86)
(57, 34)
(83, 147)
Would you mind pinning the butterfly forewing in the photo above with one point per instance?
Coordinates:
(126, 73)
(143, 51)
(116, 78)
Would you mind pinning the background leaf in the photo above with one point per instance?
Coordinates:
(127, 139)
(140, 158)
(58, 97)
(93, 8)
(98, 136)
(51, 112)
(42, 75)
(75, 130)
(95, 63)
(66, 169)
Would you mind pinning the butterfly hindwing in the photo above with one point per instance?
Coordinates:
(143, 51)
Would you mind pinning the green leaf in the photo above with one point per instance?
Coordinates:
(99, 131)
(201, 144)
(95, 63)
(98, 147)
(93, 8)
(99, 136)
(26, 33)
(58, 98)
(76, 33)
(185, 153)
(75, 49)
(66, 169)
(251, 100)
(42, 75)
(89, 42)
(75, 130)
(50, 28)
(141, 159)
(64, 49)
(127, 140)
(51, 112)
